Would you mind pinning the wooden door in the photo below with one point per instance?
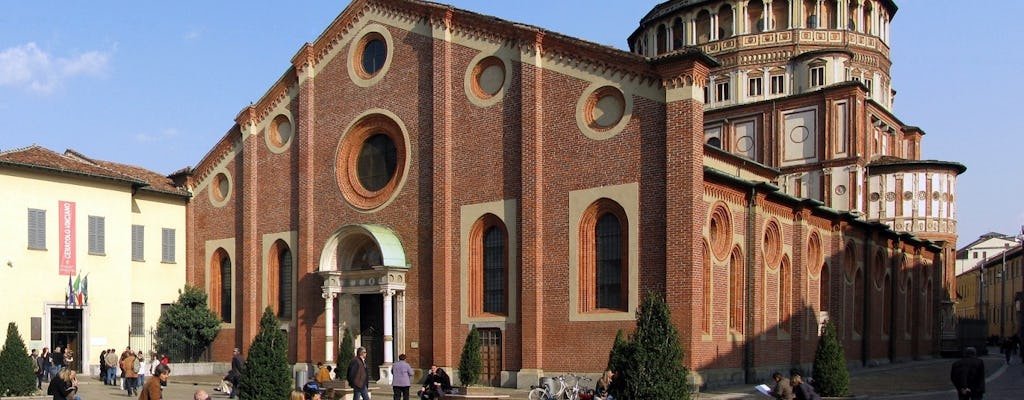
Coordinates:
(490, 356)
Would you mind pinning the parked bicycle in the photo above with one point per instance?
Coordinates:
(558, 388)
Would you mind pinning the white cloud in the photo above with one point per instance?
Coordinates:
(29, 67)
(193, 34)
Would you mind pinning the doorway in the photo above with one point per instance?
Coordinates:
(490, 356)
(66, 333)
(371, 322)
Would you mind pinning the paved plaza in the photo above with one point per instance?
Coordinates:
(919, 380)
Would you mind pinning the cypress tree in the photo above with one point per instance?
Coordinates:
(831, 378)
(16, 375)
(655, 365)
(470, 365)
(266, 374)
(346, 352)
(618, 360)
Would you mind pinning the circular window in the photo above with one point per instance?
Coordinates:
(371, 55)
(908, 195)
(875, 196)
(280, 133)
(720, 232)
(488, 77)
(603, 111)
(841, 190)
(374, 53)
(220, 189)
(372, 161)
(377, 161)
(604, 108)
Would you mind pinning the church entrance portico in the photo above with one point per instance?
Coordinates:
(364, 271)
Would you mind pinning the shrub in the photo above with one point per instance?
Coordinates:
(831, 378)
(266, 373)
(16, 375)
(346, 352)
(470, 365)
(187, 327)
(650, 364)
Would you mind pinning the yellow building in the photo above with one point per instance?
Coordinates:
(111, 235)
(983, 293)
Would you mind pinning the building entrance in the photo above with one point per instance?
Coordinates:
(371, 321)
(66, 333)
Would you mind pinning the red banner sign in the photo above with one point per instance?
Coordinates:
(66, 219)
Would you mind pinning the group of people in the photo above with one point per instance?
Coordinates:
(48, 364)
(793, 387)
(130, 366)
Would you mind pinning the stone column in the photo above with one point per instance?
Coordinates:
(713, 35)
(766, 15)
(329, 296)
(389, 340)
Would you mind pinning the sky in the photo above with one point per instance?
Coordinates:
(158, 83)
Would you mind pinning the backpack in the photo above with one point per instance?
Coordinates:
(136, 366)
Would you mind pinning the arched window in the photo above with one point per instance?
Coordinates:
(678, 34)
(607, 243)
(737, 281)
(225, 288)
(662, 38)
(725, 21)
(785, 293)
(910, 302)
(886, 304)
(703, 27)
(780, 15)
(605, 279)
(755, 16)
(281, 278)
(489, 266)
(810, 14)
(708, 304)
(825, 289)
(858, 302)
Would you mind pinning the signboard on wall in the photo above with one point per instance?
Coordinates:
(66, 221)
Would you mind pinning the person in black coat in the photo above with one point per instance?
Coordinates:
(436, 384)
(803, 390)
(968, 376)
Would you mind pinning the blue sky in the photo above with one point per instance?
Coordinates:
(156, 84)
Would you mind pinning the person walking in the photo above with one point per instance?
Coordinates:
(235, 374)
(130, 365)
(36, 368)
(402, 373)
(358, 376)
(968, 376)
(56, 361)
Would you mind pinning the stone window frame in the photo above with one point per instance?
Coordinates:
(355, 55)
(371, 123)
(476, 265)
(470, 215)
(625, 197)
(216, 250)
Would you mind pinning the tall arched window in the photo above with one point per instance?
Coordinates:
(785, 293)
(755, 17)
(605, 261)
(494, 270)
(824, 289)
(285, 272)
(488, 266)
(737, 281)
(858, 302)
(886, 304)
(780, 15)
(708, 305)
(662, 38)
(607, 243)
(225, 289)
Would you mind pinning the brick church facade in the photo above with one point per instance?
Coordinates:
(423, 169)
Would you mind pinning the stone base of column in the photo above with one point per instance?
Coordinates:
(385, 374)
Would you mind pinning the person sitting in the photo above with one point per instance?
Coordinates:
(803, 390)
(436, 384)
(312, 391)
(603, 387)
(323, 374)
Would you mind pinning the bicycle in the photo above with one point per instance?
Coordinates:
(547, 391)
